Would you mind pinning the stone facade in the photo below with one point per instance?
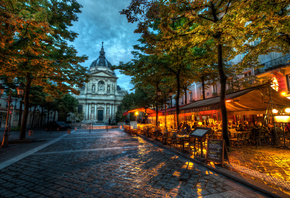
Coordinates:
(100, 97)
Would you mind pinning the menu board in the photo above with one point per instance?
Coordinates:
(199, 131)
(215, 150)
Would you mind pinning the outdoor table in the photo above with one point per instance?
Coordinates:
(183, 139)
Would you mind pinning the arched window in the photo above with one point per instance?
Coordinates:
(108, 89)
(93, 88)
(101, 86)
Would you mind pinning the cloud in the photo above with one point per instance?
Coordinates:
(101, 21)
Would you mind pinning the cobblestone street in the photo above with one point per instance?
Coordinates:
(112, 164)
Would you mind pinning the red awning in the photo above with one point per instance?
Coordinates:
(145, 110)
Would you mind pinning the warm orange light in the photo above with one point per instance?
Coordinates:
(229, 100)
(283, 93)
(287, 110)
(282, 118)
(275, 111)
(136, 113)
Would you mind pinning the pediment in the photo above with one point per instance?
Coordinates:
(102, 74)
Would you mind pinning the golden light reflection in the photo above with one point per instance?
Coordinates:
(190, 165)
(176, 173)
(199, 189)
(212, 164)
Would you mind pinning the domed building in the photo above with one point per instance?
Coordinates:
(100, 97)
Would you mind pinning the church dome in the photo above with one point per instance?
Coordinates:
(101, 61)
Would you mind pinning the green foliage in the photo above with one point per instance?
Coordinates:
(66, 104)
(132, 101)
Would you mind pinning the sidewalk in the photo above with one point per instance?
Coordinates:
(264, 168)
(17, 147)
(266, 164)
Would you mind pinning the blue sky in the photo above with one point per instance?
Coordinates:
(100, 21)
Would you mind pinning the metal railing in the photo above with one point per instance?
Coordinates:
(273, 64)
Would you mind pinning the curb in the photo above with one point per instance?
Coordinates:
(230, 176)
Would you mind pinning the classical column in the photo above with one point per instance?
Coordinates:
(87, 113)
(95, 111)
(90, 106)
(113, 111)
(105, 111)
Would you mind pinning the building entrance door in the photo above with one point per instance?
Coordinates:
(100, 115)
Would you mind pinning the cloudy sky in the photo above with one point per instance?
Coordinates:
(100, 21)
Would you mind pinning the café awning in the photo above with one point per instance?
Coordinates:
(255, 99)
(145, 110)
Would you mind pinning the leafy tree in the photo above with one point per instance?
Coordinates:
(147, 75)
(33, 46)
(66, 104)
(132, 101)
(226, 28)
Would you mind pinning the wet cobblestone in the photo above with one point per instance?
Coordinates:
(112, 164)
(267, 164)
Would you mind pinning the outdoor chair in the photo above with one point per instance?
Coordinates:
(191, 146)
(236, 141)
(247, 137)
(173, 140)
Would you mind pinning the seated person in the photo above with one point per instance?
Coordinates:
(188, 129)
(182, 132)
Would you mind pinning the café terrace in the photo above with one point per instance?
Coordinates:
(256, 116)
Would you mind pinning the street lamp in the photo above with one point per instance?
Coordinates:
(136, 113)
(20, 92)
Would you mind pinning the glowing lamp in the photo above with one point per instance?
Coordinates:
(1, 89)
(20, 90)
(287, 110)
(275, 111)
(282, 118)
(136, 113)
(283, 93)
(229, 100)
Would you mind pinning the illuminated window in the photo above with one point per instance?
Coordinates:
(275, 84)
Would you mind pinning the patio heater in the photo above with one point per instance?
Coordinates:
(283, 119)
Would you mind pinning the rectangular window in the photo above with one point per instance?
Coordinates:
(190, 96)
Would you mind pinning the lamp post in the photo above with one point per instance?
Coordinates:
(283, 118)
(20, 92)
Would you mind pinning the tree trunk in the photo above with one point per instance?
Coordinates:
(41, 117)
(26, 107)
(223, 79)
(20, 112)
(47, 119)
(54, 115)
(177, 99)
(203, 87)
(33, 116)
(156, 106)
